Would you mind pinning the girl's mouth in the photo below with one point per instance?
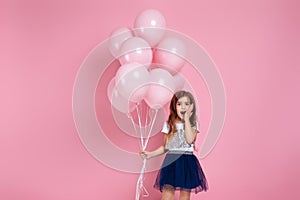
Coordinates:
(182, 115)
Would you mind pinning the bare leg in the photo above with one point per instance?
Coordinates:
(168, 193)
(184, 195)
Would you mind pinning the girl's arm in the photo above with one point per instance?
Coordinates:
(150, 154)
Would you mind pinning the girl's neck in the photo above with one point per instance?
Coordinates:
(177, 121)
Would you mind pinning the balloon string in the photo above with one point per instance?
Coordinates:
(152, 123)
(140, 125)
(139, 185)
(134, 126)
(146, 123)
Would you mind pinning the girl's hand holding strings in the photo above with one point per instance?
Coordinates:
(144, 155)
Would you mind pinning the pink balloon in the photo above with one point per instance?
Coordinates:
(132, 80)
(179, 82)
(170, 53)
(150, 25)
(125, 69)
(161, 88)
(117, 38)
(136, 49)
(117, 100)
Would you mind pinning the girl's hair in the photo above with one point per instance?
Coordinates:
(173, 113)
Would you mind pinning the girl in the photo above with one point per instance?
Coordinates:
(181, 169)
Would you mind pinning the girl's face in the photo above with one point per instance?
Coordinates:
(183, 105)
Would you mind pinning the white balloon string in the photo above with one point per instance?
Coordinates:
(146, 123)
(152, 123)
(139, 185)
(140, 125)
(146, 193)
(134, 126)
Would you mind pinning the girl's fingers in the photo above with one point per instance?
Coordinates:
(143, 154)
(189, 111)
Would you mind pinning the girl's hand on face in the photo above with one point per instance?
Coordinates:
(189, 112)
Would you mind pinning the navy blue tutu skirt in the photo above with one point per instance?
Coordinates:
(181, 172)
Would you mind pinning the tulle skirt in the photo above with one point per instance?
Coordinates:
(181, 172)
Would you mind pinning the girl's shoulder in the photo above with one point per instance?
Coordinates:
(165, 128)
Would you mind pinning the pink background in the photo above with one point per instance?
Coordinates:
(255, 45)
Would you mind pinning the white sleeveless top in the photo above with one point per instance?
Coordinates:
(178, 142)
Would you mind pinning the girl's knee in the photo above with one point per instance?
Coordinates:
(167, 194)
(184, 195)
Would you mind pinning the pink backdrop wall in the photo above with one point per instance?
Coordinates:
(255, 45)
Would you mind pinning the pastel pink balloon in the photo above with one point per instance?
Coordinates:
(125, 69)
(161, 88)
(150, 25)
(117, 100)
(117, 38)
(170, 53)
(136, 49)
(132, 80)
(179, 82)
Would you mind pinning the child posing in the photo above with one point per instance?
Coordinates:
(181, 169)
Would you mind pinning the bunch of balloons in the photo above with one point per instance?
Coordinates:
(149, 62)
